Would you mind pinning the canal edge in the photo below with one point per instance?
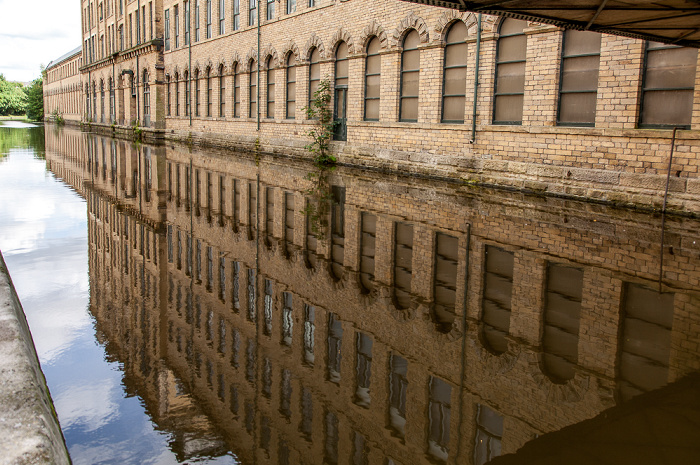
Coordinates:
(29, 429)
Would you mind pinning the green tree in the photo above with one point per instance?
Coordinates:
(35, 100)
(12, 98)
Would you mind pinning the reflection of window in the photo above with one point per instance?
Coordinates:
(646, 340)
(252, 311)
(309, 330)
(403, 264)
(360, 454)
(330, 449)
(454, 76)
(267, 378)
(367, 250)
(338, 230)
(335, 340)
(363, 369)
(410, 70)
(250, 362)
(561, 321)
(287, 319)
(268, 308)
(286, 394)
(510, 72)
(307, 413)
(439, 410)
(579, 78)
(489, 431)
(235, 278)
(669, 82)
(398, 384)
(496, 303)
(288, 220)
(445, 282)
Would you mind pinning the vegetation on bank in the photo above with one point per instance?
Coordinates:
(18, 100)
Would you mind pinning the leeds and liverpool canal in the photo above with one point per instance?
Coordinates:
(208, 306)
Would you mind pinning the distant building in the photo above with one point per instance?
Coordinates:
(62, 94)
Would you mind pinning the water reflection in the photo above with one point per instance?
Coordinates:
(435, 324)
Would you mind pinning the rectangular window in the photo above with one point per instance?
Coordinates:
(138, 28)
(253, 13)
(143, 22)
(312, 3)
(236, 15)
(196, 21)
(489, 433)
(579, 78)
(439, 410)
(270, 9)
(208, 12)
(222, 16)
(150, 12)
(177, 26)
(186, 20)
(291, 6)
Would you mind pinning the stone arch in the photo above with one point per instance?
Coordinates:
(290, 47)
(314, 42)
(573, 390)
(373, 29)
(252, 55)
(494, 22)
(448, 18)
(220, 65)
(196, 68)
(494, 364)
(266, 53)
(235, 60)
(342, 35)
(410, 22)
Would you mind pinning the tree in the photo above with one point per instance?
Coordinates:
(12, 98)
(35, 100)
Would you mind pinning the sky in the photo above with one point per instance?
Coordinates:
(34, 32)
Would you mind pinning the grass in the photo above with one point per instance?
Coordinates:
(15, 118)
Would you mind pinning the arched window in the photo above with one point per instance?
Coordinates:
(314, 73)
(146, 95)
(253, 90)
(510, 73)
(410, 71)
(169, 91)
(177, 95)
(222, 92)
(373, 70)
(94, 100)
(188, 90)
(236, 92)
(209, 92)
(291, 87)
(270, 88)
(87, 100)
(454, 84)
(578, 86)
(340, 94)
(196, 92)
(668, 85)
(111, 100)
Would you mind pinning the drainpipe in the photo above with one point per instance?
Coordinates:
(189, 51)
(476, 76)
(258, 73)
(663, 208)
(138, 39)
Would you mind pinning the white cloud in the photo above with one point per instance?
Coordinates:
(88, 407)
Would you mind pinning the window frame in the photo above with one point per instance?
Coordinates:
(444, 96)
(403, 71)
(561, 83)
(495, 76)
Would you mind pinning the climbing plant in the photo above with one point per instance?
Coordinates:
(322, 132)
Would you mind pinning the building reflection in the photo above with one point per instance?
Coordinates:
(430, 323)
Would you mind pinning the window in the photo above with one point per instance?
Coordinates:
(196, 92)
(398, 387)
(489, 434)
(253, 13)
(578, 85)
(146, 95)
(291, 86)
(335, 343)
(496, 302)
(314, 74)
(222, 15)
(270, 88)
(270, 9)
(177, 27)
(143, 22)
(363, 369)
(410, 70)
(373, 69)
(445, 280)
(188, 90)
(454, 77)
(111, 99)
(236, 15)
(236, 92)
(102, 100)
(169, 91)
(209, 92)
(668, 85)
(291, 6)
(196, 21)
(222, 94)
(187, 21)
(439, 410)
(121, 37)
(510, 72)
(403, 264)
(253, 90)
(208, 19)
(177, 95)
(138, 27)
(150, 24)
(312, 3)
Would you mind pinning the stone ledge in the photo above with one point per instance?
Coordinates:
(29, 430)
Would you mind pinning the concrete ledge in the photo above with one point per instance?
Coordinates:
(29, 430)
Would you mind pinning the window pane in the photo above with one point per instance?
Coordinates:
(374, 64)
(580, 73)
(291, 108)
(409, 84)
(511, 78)
(458, 33)
(409, 108)
(456, 55)
(291, 90)
(411, 60)
(455, 81)
(341, 69)
(667, 107)
(671, 68)
(581, 42)
(372, 109)
(512, 48)
(315, 72)
(313, 86)
(508, 108)
(373, 86)
(512, 26)
(454, 109)
(373, 47)
(411, 41)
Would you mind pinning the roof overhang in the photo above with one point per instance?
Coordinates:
(670, 21)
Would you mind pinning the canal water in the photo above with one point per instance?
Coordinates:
(194, 306)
